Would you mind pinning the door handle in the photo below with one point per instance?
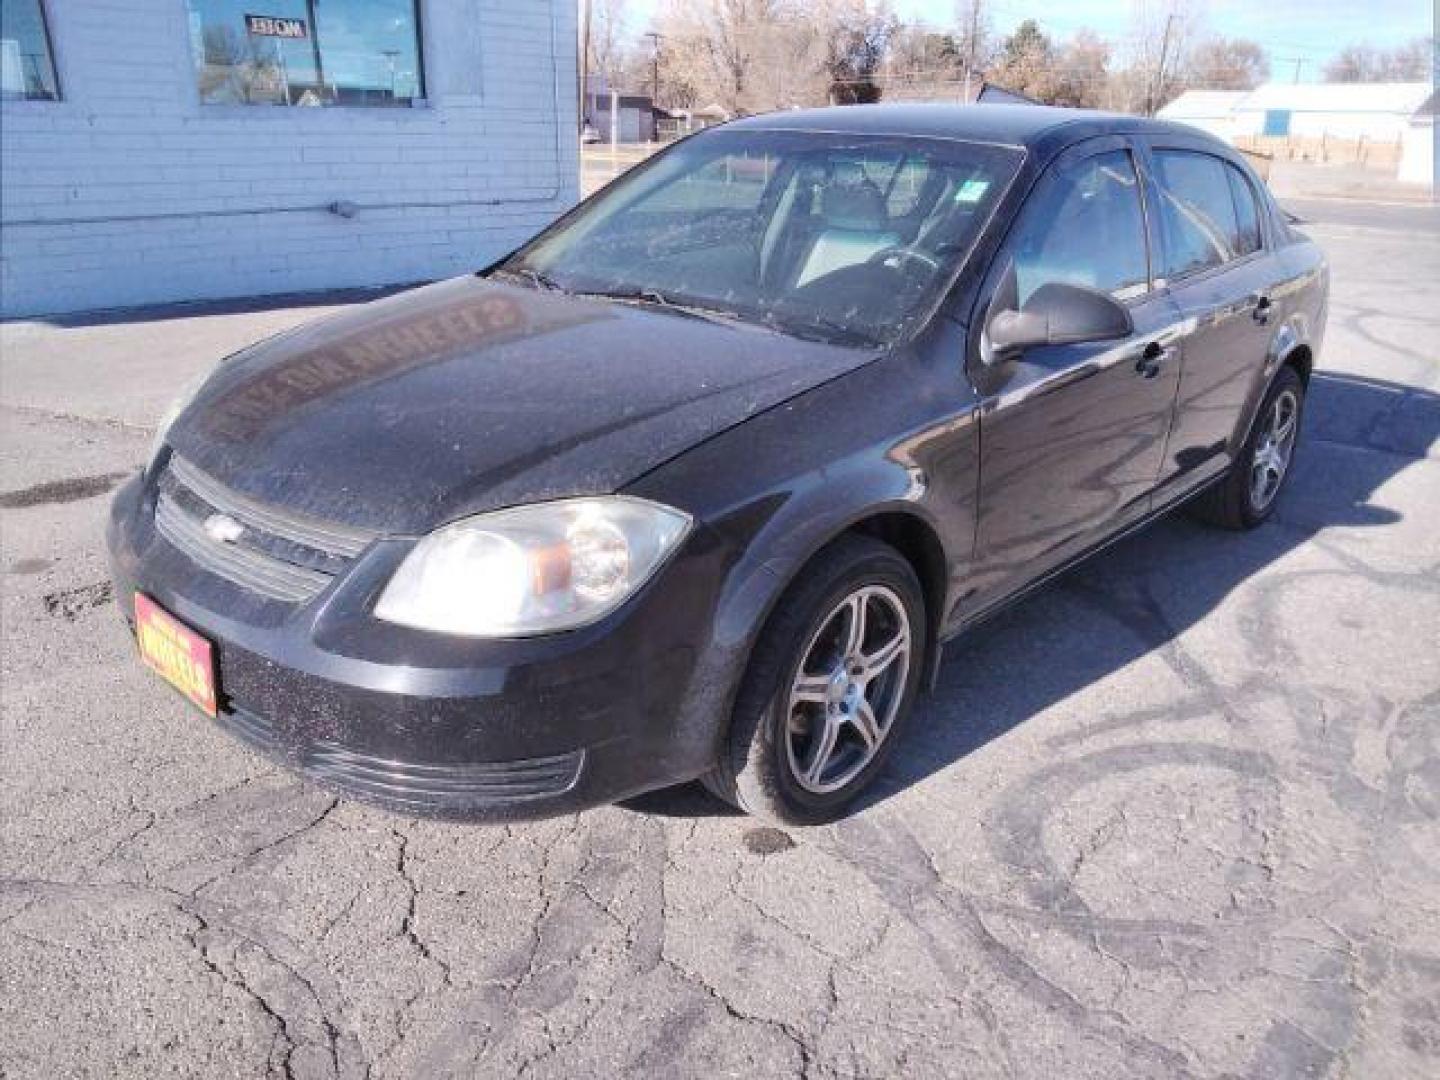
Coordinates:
(1151, 357)
(1260, 309)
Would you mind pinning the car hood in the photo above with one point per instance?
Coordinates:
(471, 395)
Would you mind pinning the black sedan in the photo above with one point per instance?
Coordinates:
(697, 483)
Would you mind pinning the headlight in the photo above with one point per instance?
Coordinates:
(169, 416)
(532, 570)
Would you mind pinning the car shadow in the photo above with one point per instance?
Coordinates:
(1358, 433)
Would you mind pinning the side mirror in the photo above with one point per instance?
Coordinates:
(1055, 314)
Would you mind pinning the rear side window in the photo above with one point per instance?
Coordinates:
(1197, 212)
(1247, 229)
(1084, 227)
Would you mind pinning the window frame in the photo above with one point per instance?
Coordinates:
(1154, 147)
(252, 110)
(46, 24)
(1068, 159)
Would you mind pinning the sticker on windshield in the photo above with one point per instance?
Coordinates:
(972, 191)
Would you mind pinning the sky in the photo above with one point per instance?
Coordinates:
(1308, 30)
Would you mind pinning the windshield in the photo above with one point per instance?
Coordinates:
(835, 236)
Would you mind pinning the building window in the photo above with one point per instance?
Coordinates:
(307, 52)
(26, 68)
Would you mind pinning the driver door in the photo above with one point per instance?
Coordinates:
(1072, 436)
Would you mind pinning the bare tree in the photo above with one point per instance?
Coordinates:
(1081, 73)
(1410, 62)
(608, 41)
(1160, 40)
(1221, 63)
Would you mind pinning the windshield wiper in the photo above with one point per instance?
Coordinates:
(658, 299)
(537, 279)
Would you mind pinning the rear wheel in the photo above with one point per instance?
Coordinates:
(1248, 493)
(829, 686)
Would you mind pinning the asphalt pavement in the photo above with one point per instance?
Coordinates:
(1176, 815)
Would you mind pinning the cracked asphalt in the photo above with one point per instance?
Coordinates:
(1174, 816)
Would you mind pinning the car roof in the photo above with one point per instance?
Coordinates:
(1024, 126)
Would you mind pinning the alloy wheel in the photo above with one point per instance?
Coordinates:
(848, 689)
(1273, 449)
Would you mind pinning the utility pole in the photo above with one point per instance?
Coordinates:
(1153, 105)
(315, 50)
(972, 46)
(654, 37)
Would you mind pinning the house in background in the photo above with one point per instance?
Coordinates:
(1209, 110)
(185, 150)
(1333, 123)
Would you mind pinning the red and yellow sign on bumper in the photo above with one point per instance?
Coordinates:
(181, 656)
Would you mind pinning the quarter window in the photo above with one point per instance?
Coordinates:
(1085, 227)
(1247, 231)
(1197, 212)
(27, 70)
(307, 52)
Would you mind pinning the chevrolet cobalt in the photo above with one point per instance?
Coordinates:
(697, 482)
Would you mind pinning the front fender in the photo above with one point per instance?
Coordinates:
(782, 486)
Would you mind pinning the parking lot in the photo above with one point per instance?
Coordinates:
(1176, 815)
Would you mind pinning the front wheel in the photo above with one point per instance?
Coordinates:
(1247, 495)
(829, 687)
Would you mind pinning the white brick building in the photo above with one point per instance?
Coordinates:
(134, 173)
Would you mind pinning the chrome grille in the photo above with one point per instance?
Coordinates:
(279, 554)
(333, 539)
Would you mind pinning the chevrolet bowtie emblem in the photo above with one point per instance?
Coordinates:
(223, 528)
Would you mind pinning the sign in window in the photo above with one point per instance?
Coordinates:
(27, 69)
(307, 52)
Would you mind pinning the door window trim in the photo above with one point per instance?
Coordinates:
(1154, 151)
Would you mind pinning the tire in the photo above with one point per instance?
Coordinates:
(772, 763)
(1236, 502)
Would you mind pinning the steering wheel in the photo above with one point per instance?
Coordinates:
(888, 256)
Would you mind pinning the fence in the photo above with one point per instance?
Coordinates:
(1324, 149)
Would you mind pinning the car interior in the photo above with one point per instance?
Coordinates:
(845, 239)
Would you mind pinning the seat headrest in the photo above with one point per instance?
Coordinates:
(852, 201)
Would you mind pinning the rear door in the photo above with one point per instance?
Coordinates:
(1072, 436)
(1214, 261)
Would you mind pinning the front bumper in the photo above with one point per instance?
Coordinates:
(423, 723)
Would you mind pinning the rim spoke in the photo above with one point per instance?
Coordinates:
(1284, 426)
(823, 749)
(867, 725)
(811, 688)
(874, 664)
(854, 625)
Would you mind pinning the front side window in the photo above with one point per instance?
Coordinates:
(845, 238)
(1084, 226)
(307, 52)
(1197, 212)
(27, 70)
